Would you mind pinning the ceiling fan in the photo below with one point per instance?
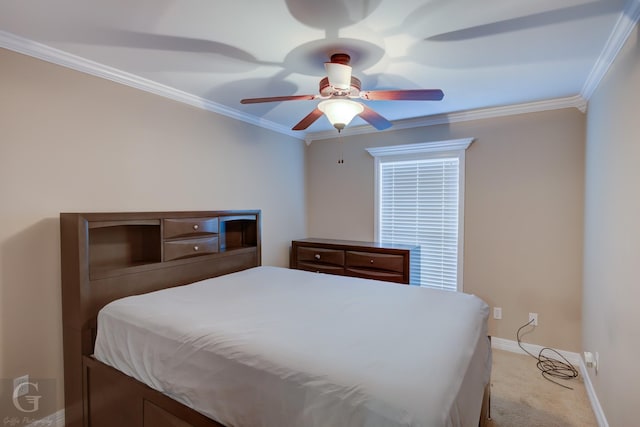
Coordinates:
(337, 91)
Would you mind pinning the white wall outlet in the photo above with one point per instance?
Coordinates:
(533, 318)
(20, 385)
(592, 360)
(589, 360)
(497, 313)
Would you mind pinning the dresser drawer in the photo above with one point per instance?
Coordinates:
(377, 261)
(387, 276)
(319, 268)
(177, 249)
(189, 227)
(320, 256)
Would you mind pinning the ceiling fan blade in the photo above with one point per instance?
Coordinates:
(374, 119)
(308, 120)
(403, 95)
(278, 98)
(339, 75)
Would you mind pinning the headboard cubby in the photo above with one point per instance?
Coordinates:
(118, 245)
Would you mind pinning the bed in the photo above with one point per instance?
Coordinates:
(245, 345)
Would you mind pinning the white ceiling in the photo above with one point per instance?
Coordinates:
(482, 54)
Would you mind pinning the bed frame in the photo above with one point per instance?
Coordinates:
(106, 256)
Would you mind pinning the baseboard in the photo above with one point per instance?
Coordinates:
(573, 358)
(512, 346)
(595, 403)
(53, 420)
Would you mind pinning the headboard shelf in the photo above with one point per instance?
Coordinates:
(237, 232)
(119, 223)
(121, 245)
(151, 248)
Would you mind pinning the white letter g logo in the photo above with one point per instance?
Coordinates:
(33, 400)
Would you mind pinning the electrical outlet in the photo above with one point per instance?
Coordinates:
(533, 318)
(588, 359)
(591, 360)
(497, 313)
(20, 385)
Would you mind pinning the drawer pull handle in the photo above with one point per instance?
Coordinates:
(196, 226)
(371, 261)
(317, 256)
(196, 248)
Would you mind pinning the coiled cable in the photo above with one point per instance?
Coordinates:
(549, 366)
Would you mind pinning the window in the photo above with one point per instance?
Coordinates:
(420, 201)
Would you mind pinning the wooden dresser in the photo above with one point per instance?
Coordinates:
(370, 260)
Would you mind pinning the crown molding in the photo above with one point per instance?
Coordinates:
(576, 101)
(55, 56)
(618, 37)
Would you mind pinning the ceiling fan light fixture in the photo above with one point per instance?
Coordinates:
(340, 112)
(338, 88)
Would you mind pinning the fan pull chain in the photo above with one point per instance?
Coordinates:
(341, 158)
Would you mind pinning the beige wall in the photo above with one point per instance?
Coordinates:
(612, 237)
(523, 212)
(70, 142)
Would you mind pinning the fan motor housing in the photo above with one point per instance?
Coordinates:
(327, 90)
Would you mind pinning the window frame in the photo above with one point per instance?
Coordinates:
(426, 150)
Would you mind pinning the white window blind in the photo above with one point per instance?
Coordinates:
(419, 202)
(419, 206)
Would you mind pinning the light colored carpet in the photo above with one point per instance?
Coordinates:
(521, 397)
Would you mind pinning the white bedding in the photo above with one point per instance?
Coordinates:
(277, 347)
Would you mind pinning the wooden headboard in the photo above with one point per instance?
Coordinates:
(106, 256)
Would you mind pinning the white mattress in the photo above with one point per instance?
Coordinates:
(277, 347)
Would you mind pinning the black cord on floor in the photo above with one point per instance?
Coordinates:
(551, 367)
